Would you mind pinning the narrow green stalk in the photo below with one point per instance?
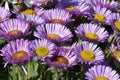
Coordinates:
(57, 75)
(28, 70)
(41, 71)
(47, 75)
(82, 71)
(67, 74)
(16, 72)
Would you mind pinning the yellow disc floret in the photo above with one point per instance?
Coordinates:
(0, 18)
(101, 78)
(42, 0)
(53, 36)
(19, 55)
(71, 8)
(117, 54)
(92, 35)
(87, 55)
(99, 17)
(117, 25)
(60, 60)
(42, 51)
(14, 32)
(56, 21)
(28, 12)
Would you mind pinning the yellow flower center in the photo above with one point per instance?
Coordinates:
(14, 32)
(87, 55)
(71, 8)
(28, 12)
(0, 18)
(53, 36)
(101, 78)
(19, 55)
(60, 60)
(42, 0)
(42, 51)
(99, 17)
(92, 35)
(117, 54)
(56, 21)
(117, 25)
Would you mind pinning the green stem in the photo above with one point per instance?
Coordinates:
(47, 75)
(16, 72)
(28, 70)
(83, 70)
(40, 70)
(57, 75)
(67, 74)
(19, 76)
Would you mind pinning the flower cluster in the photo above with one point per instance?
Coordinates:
(64, 35)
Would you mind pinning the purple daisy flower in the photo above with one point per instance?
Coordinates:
(34, 20)
(13, 29)
(100, 14)
(17, 52)
(43, 48)
(62, 59)
(115, 21)
(101, 72)
(57, 16)
(4, 14)
(80, 8)
(40, 2)
(112, 5)
(92, 32)
(54, 32)
(89, 53)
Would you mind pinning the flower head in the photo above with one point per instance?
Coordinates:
(89, 53)
(92, 32)
(54, 32)
(62, 59)
(14, 29)
(115, 21)
(17, 52)
(43, 48)
(80, 8)
(111, 5)
(101, 72)
(100, 14)
(57, 16)
(32, 19)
